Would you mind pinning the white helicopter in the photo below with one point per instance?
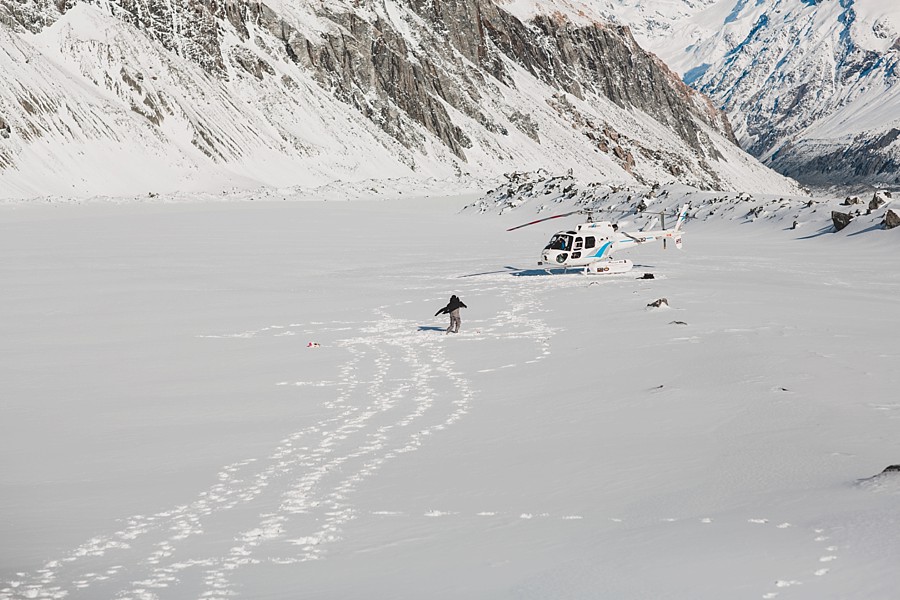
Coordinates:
(590, 245)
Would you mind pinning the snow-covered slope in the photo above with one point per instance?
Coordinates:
(95, 107)
(121, 98)
(810, 87)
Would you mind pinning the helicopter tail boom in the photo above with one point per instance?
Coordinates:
(681, 217)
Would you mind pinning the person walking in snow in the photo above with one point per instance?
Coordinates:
(452, 309)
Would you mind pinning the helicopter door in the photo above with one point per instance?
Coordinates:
(577, 248)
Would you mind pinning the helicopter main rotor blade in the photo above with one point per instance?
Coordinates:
(545, 219)
(662, 213)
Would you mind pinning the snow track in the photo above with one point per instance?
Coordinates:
(397, 388)
(226, 415)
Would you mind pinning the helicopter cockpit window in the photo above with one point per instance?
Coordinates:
(559, 242)
(579, 244)
(590, 242)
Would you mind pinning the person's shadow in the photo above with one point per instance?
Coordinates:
(427, 328)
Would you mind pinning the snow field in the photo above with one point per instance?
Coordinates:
(168, 433)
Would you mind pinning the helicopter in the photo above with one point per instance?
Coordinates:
(590, 245)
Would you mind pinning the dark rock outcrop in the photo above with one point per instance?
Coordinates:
(891, 219)
(31, 15)
(869, 159)
(889, 472)
(879, 199)
(840, 219)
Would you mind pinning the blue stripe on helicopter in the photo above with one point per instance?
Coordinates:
(602, 250)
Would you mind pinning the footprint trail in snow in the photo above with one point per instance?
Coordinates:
(397, 388)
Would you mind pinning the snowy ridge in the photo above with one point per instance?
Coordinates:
(810, 75)
(810, 87)
(109, 101)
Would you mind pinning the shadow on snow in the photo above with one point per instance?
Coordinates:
(824, 231)
(517, 272)
(571, 271)
(503, 270)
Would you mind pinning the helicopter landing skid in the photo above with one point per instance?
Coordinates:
(608, 267)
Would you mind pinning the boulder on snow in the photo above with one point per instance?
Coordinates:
(891, 219)
(880, 198)
(851, 200)
(647, 276)
(840, 219)
(658, 303)
(889, 476)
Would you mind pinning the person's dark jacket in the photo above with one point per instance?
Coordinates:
(454, 304)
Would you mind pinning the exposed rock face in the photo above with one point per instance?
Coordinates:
(891, 219)
(869, 157)
(360, 56)
(608, 61)
(524, 123)
(31, 15)
(367, 65)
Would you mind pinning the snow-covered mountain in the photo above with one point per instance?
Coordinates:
(125, 97)
(809, 85)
